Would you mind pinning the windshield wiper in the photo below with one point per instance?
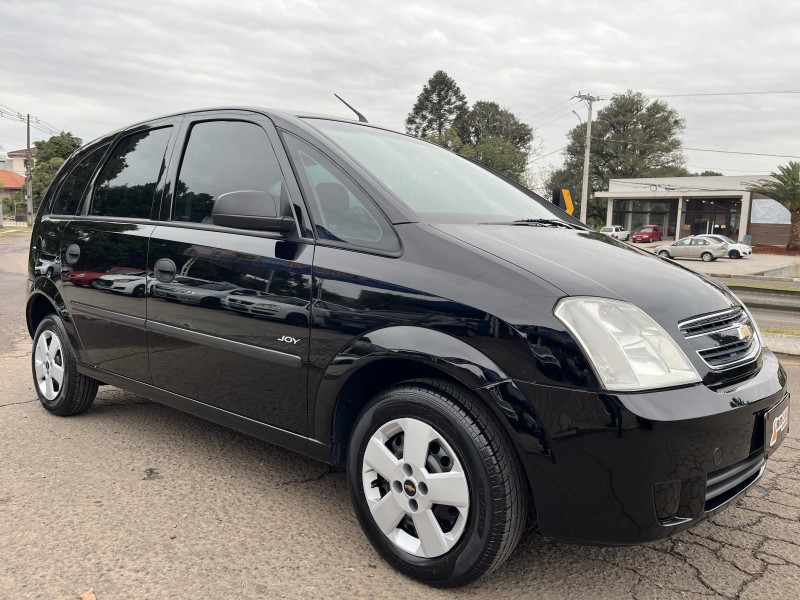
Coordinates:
(535, 223)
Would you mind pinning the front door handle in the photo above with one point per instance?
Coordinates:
(164, 270)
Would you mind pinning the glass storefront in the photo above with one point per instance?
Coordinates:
(635, 214)
(711, 216)
(714, 215)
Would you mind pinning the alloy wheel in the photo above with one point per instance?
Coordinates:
(49, 365)
(416, 488)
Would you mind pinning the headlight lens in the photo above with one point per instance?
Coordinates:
(628, 349)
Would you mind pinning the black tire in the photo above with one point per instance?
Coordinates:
(495, 483)
(138, 291)
(734, 254)
(76, 392)
(49, 273)
(663, 254)
(707, 257)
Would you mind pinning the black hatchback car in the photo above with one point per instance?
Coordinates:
(468, 351)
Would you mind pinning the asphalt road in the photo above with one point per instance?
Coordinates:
(136, 500)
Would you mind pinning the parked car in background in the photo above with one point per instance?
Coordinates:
(617, 232)
(735, 249)
(90, 277)
(190, 290)
(295, 311)
(131, 283)
(693, 247)
(648, 233)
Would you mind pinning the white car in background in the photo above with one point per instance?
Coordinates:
(295, 311)
(735, 249)
(617, 232)
(132, 283)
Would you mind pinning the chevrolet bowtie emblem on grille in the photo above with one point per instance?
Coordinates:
(745, 332)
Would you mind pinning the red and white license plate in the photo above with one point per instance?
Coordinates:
(776, 421)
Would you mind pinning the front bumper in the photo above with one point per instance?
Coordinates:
(623, 469)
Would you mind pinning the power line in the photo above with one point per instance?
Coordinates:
(547, 110)
(724, 94)
(567, 110)
(548, 154)
(697, 149)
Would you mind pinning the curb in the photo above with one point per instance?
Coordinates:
(782, 344)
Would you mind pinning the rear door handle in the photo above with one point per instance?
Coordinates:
(73, 254)
(164, 270)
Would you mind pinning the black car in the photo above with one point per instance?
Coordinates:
(487, 357)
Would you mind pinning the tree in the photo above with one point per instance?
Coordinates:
(631, 137)
(50, 155)
(487, 120)
(58, 146)
(784, 187)
(499, 155)
(440, 102)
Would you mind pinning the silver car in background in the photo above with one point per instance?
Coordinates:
(694, 247)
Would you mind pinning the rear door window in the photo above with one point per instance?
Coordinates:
(127, 183)
(72, 190)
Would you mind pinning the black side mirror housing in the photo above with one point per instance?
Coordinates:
(250, 209)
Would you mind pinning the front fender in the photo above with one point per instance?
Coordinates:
(387, 356)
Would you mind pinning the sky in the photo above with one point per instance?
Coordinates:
(94, 66)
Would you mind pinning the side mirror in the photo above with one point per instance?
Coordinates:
(250, 209)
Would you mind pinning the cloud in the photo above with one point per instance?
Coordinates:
(94, 66)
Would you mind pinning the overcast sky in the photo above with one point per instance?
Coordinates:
(95, 65)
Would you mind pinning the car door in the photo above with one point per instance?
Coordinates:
(204, 342)
(681, 247)
(111, 234)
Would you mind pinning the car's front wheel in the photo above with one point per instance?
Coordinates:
(707, 256)
(61, 389)
(734, 254)
(436, 483)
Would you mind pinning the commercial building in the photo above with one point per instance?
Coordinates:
(685, 206)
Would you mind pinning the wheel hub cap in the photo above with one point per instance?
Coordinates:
(48, 364)
(416, 488)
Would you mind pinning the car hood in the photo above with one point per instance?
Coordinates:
(585, 263)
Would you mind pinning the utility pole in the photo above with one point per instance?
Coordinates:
(28, 169)
(588, 98)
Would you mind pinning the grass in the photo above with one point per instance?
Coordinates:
(780, 330)
(14, 228)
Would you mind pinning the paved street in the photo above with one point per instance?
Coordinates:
(137, 500)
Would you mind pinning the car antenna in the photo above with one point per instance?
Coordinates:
(361, 118)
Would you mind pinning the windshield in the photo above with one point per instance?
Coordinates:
(645, 230)
(432, 181)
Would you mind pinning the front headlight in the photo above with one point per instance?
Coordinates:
(628, 349)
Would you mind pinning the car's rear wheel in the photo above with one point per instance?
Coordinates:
(436, 483)
(61, 389)
(734, 254)
(707, 256)
(663, 254)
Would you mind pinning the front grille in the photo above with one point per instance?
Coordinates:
(724, 484)
(723, 340)
(729, 353)
(711, 323)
